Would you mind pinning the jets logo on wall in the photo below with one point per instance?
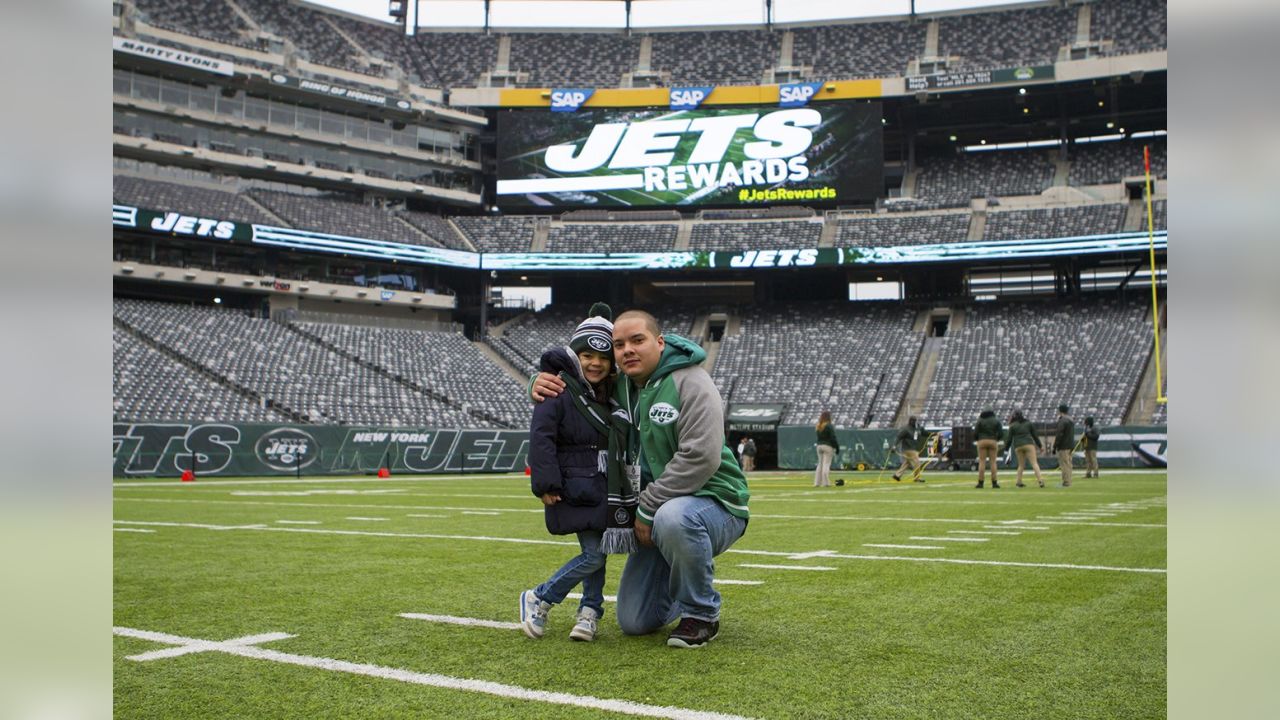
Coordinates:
(286, 449)
(599, 344)
(663, 413)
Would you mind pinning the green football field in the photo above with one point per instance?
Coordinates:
(288, 599)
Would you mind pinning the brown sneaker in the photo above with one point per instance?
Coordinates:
(693, 633)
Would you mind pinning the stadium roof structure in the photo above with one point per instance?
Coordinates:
(638, 14)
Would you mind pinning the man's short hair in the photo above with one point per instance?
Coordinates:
(650, 322)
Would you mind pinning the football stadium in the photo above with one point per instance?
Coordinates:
(807, 273)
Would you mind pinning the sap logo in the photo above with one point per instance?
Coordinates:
(569, 100)
(198, 226)
(688, 98)
(663, 413)
(774, 258)
(797, 94)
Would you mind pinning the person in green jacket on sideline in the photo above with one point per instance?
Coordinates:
(910, 441)
(1064, 442)
(1089, 443)
(986, 435)
(1021, 436)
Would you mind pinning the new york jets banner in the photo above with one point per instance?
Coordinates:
(232, 449)
(688, 154)
(755, 416)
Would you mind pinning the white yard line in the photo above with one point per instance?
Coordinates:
(983, 532)
(1020, 527)
(718, 581)
(428, 679)
(425, 516)
(948, 539)
(1106, 524)
(851, 518)
(481, 538)
(367, 519)
(360, 533)
(578, 596)
(479, 512)
(298, 522)
(785, 567)
(903, 547)
(136, 530)
(1003, 563)
(455, 620)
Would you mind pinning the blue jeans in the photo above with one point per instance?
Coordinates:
(587, 568)
(673, 579)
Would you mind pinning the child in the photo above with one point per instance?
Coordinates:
(568, 456)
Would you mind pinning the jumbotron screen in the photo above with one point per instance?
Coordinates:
(830, 153)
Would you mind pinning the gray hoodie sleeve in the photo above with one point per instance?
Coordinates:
(701, 431)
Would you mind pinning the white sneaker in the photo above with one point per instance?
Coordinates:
(585, 628)
(533, 614)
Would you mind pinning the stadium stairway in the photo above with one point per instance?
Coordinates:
(275, 405)
(497, 359)
(461, 235)
(922, 373)
(977, 221)
(263, 209)
(398, 379)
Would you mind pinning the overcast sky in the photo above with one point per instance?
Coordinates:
(646, 13)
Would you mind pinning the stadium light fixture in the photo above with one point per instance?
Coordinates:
(127, 269)
(217, 301)
(953, 138)
(1022, 91)
(1110, 124)
(1026, 111)
(1098, 138)
(1149, 133)
(1011, 145)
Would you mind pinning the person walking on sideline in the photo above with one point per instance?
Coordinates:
(910, 440)
(1090, 445)
(827, 446)
(987, 437)
(1064, 442)
(748, 455)
(1021, 436)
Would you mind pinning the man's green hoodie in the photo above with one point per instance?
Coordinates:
(679, 418)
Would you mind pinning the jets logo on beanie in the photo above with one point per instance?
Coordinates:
(596, 332)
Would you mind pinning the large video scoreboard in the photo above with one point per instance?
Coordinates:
(824, 154)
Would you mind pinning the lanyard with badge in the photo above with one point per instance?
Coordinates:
(632, 464)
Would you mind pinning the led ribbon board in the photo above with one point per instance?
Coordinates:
(198, 227)
(708, 156)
